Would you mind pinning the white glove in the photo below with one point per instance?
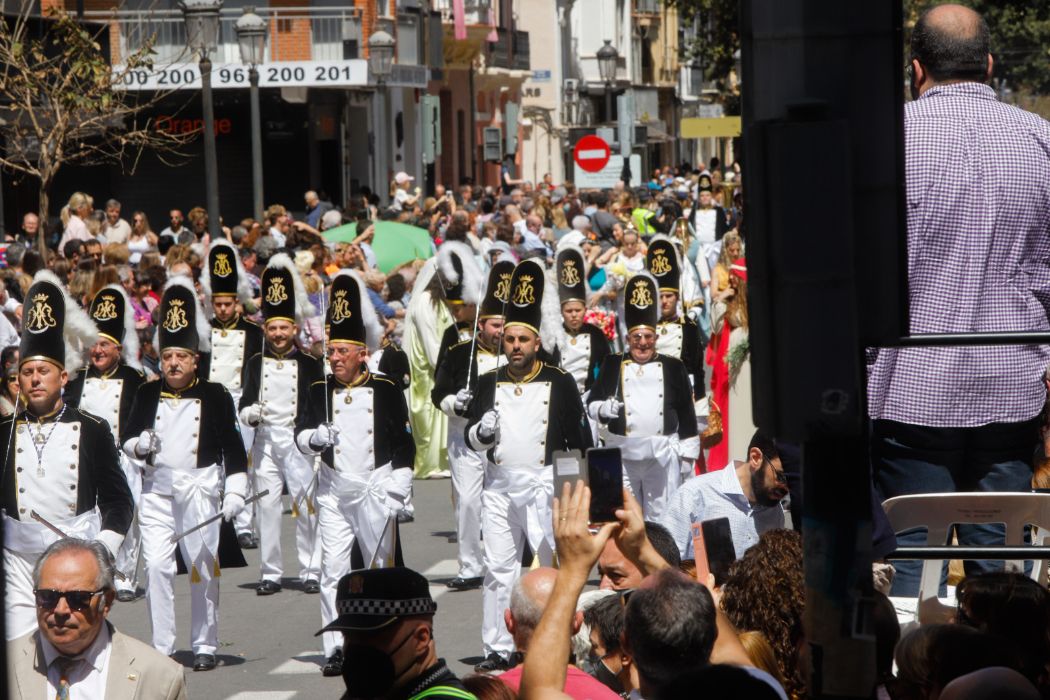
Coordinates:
(111, 539)
(233, 501)
(232, 504)
(253, 415)
(147, 444)
(324, 436)
(463, 397)
(609, 409)
(489, 425)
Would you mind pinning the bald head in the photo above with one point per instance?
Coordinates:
(950, 43)
(528, 599)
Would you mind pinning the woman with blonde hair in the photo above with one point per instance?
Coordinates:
(732, 248)
(80, 208)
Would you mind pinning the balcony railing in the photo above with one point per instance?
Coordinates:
(295, 33)
(511, 50)
(647, 7)
(474, 11)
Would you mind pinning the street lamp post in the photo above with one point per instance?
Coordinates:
(607, 58)
(251, 36)
(381, 65)
(202, 38)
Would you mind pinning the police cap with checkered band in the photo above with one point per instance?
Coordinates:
(371, 599)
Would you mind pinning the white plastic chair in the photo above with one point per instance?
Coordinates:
(938, 512)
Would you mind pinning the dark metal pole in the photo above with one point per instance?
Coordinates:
(257, 168)
(608, 101)
(211, 170)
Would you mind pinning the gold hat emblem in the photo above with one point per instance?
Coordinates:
(222, 266)
(660, 265)
(641, 296)
(570, 276)
(41, 316)
(175, 319)
(276, 292)
(340, 307)
(503, 288)
(357, 583)
(524, 293)
(106, 309)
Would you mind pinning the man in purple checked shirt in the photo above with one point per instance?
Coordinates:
(978, 186)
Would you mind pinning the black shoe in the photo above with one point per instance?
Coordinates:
(203, 662)
(125, 596)
(465, 584)
(311, 586)
(267, 588)
(334, 665)
(492, 664)
(247, 541)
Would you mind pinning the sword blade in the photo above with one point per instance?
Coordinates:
(175, 538)
(55, 529)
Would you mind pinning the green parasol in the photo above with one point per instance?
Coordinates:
(393, 243)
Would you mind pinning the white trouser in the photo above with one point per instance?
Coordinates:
(242, 522)
(160, 517)
(468, 476)
(652, 470)
(24, 542)
(278, 461)
(511, 514)
(350, 508)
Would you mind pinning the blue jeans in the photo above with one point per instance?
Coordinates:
(911, 459)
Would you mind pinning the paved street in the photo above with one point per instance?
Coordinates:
(267, 648)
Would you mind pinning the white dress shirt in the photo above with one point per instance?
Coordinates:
(87, 679)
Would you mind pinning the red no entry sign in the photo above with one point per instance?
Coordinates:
(591, 153)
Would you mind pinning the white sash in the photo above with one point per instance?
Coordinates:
(196, 494)
(366, 494)
(660, 448)
(32, 537)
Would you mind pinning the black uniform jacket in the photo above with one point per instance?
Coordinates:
(599, 351)
(389, 431)
(100, 479)
(567, 427)
(132, 378)
(310, 371)
(220, 437)
(679, 412)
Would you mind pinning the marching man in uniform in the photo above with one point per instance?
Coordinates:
(233, 340)
(358, 423)
(645, 401)
(186, 431)
(270, 404)
(581, 346)
(676, 335)
(520, 415)
(456, 378)
(106, 388)
(59, 462)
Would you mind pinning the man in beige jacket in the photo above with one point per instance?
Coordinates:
(75, 651)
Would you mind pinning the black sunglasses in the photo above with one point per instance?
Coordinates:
(47, 598)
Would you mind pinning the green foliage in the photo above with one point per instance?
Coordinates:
(62, 102)
(717, 37)
(1020, 37)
